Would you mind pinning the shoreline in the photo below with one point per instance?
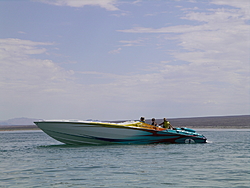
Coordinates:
(18, 127)
(31, 128)
(223, 122)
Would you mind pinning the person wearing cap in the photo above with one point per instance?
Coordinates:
(142, 120)
(166, 124)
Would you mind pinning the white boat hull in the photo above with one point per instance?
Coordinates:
(82, 132)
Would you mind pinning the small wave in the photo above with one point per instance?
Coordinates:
(209, 142)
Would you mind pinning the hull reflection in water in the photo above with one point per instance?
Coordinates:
(132, 132)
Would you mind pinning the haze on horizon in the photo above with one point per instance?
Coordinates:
(120, 59)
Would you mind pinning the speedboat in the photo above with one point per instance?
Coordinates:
(129, 132)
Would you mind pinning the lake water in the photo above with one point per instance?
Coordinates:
(33, 159)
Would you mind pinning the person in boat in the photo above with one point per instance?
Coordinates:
(153, 122)
(166, 124)
(142, 119)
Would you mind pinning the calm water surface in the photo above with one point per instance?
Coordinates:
(33, 159)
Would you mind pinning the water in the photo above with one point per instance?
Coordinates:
(33, 159)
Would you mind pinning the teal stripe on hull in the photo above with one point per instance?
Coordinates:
(139, 139)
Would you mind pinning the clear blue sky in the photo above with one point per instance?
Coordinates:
(120, 59)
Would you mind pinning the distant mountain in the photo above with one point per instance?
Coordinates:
(241, 121)
(18, 121)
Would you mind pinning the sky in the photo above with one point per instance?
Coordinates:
(123, 59)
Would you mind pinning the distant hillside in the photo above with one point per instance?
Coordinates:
(242, 121)
(18, 121)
